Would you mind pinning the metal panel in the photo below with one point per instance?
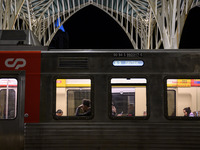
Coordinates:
(73, 63)
(119, 136)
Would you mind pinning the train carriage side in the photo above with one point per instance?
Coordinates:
(136, 100)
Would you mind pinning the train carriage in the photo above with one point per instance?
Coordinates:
(136, 98)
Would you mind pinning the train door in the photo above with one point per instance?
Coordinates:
(12, 111)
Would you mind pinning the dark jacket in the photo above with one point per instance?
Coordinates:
(87, 113)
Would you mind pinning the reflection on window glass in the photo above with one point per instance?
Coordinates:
(128, 97)
(183, 97)
(73, 97)
(8, 98)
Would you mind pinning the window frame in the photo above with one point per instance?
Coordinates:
(55, 117)
(166, 101)
(133, 84)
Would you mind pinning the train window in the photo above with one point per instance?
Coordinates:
(128, 97)
(73, 97)
(8, 98)
(183, 98)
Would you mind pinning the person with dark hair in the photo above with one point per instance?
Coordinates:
(84, 109)
(59, 112)
(186, 111)
(114, 111)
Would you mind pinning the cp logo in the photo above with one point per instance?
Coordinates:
(15, 63)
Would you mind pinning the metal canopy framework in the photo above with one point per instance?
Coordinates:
(147, 23)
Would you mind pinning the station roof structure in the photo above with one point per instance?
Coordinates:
(147, 23)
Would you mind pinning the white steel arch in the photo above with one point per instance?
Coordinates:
(171, 18)
(121, 11)
(147, 23)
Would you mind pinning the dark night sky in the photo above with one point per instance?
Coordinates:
(92, 28)
(191, 31)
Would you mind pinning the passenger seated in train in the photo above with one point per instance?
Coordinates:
(84, 109)
(131, 111)
(187, 112)
(144, 113)
(59, 112)
(196, 113)
(114, 111)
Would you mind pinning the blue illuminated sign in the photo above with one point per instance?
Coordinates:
(128, 63)
(57, 24)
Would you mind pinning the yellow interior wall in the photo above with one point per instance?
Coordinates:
(61, 100)
(140, 101)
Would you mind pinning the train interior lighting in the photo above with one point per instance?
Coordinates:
(70, 93)
(183, 94)
(128, 97)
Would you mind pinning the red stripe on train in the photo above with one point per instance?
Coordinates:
(30, 61)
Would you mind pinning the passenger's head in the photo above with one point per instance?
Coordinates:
(113, 108)
(144, 113)
(113, 105)
(59, 112)
(86, 104)
(187, 111)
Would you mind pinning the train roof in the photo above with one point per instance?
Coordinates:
(45, 49)
(120, 50)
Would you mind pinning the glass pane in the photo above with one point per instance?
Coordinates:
(128, 97)
(73, 97)
(171, 99)
(183, 97)
(8, 98)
